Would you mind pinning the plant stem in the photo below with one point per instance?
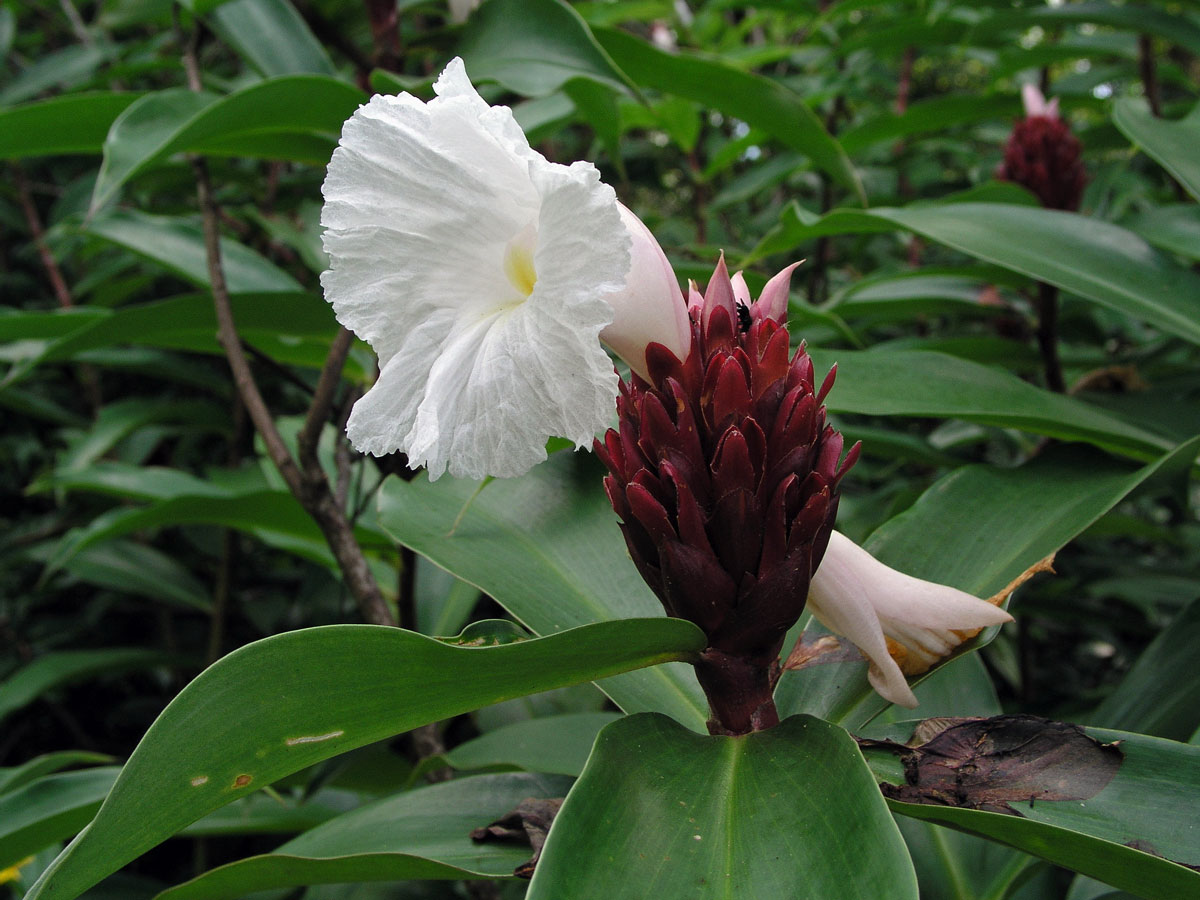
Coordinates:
(740, 692)
(1047, 336)
(308, 483)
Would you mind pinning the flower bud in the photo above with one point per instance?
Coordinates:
(725, 476)
(1043, 156)
(650, 308)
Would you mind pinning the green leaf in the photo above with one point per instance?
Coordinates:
(1031, 511)
(61, 667)
(272, 37)
(286, 702)
(273, 812)
(534, 47)
(273, 516)
(128, 567)
(292, 327)
(1149, 803)
(1160, 695)
(47, 764)
(1171, 144)
(558, 745)
(663, 811)
(61, 68)
(934, 115)
(1175, 227)
(75, 123)
(50, 810)
(178, 246)
(547, 547)
(1140, 18)
(921, 383)
(1097, 260)
(423, 833)
(758, 101)
(295, 118)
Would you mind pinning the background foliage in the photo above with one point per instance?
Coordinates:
(148, 531)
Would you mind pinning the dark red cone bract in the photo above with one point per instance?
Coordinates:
(1043, 156)
(725, 476)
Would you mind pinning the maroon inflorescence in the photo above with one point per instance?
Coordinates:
(1043, 156)
(725, 476)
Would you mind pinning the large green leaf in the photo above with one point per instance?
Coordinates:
(75, 123)
(553, 744)
(423, 833)
(662, 811)
(272, 37)
(47, 764)
(1171, 144)
(534, 47)
(547, 547)
(275, 517)
(178, 246)
(1149, 804)
(921, 383)
(1141, 18)
(756, 100)
(1097, 260)
(1174, 227)
(129, 567)
(292, 117)
(1160, 695)
(952, 537)
(294, 328)
(286, 702)
(934, 115)
(67, 666)
(49, 810)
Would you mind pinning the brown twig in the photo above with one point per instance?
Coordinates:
(88, 376)
(62, 293)
(308, 484)
(322, 400)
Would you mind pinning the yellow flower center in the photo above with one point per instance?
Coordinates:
(518, 261)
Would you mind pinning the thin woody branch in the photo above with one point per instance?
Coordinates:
(308, 484)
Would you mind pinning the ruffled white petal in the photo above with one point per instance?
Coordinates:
(858, 597)
(478, 271)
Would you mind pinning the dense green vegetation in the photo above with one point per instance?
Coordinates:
(1024, 382)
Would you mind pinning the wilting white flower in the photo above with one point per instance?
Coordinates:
(481, 274)
(858, 597)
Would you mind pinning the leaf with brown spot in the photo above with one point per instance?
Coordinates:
(989, 763)
(529, 822)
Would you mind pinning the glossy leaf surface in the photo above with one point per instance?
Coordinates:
(286, 702)
(662, 811)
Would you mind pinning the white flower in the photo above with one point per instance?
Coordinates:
(858, 597)
(479, 272)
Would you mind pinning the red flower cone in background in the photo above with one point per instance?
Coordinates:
(725, 476)
(1043, 156)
